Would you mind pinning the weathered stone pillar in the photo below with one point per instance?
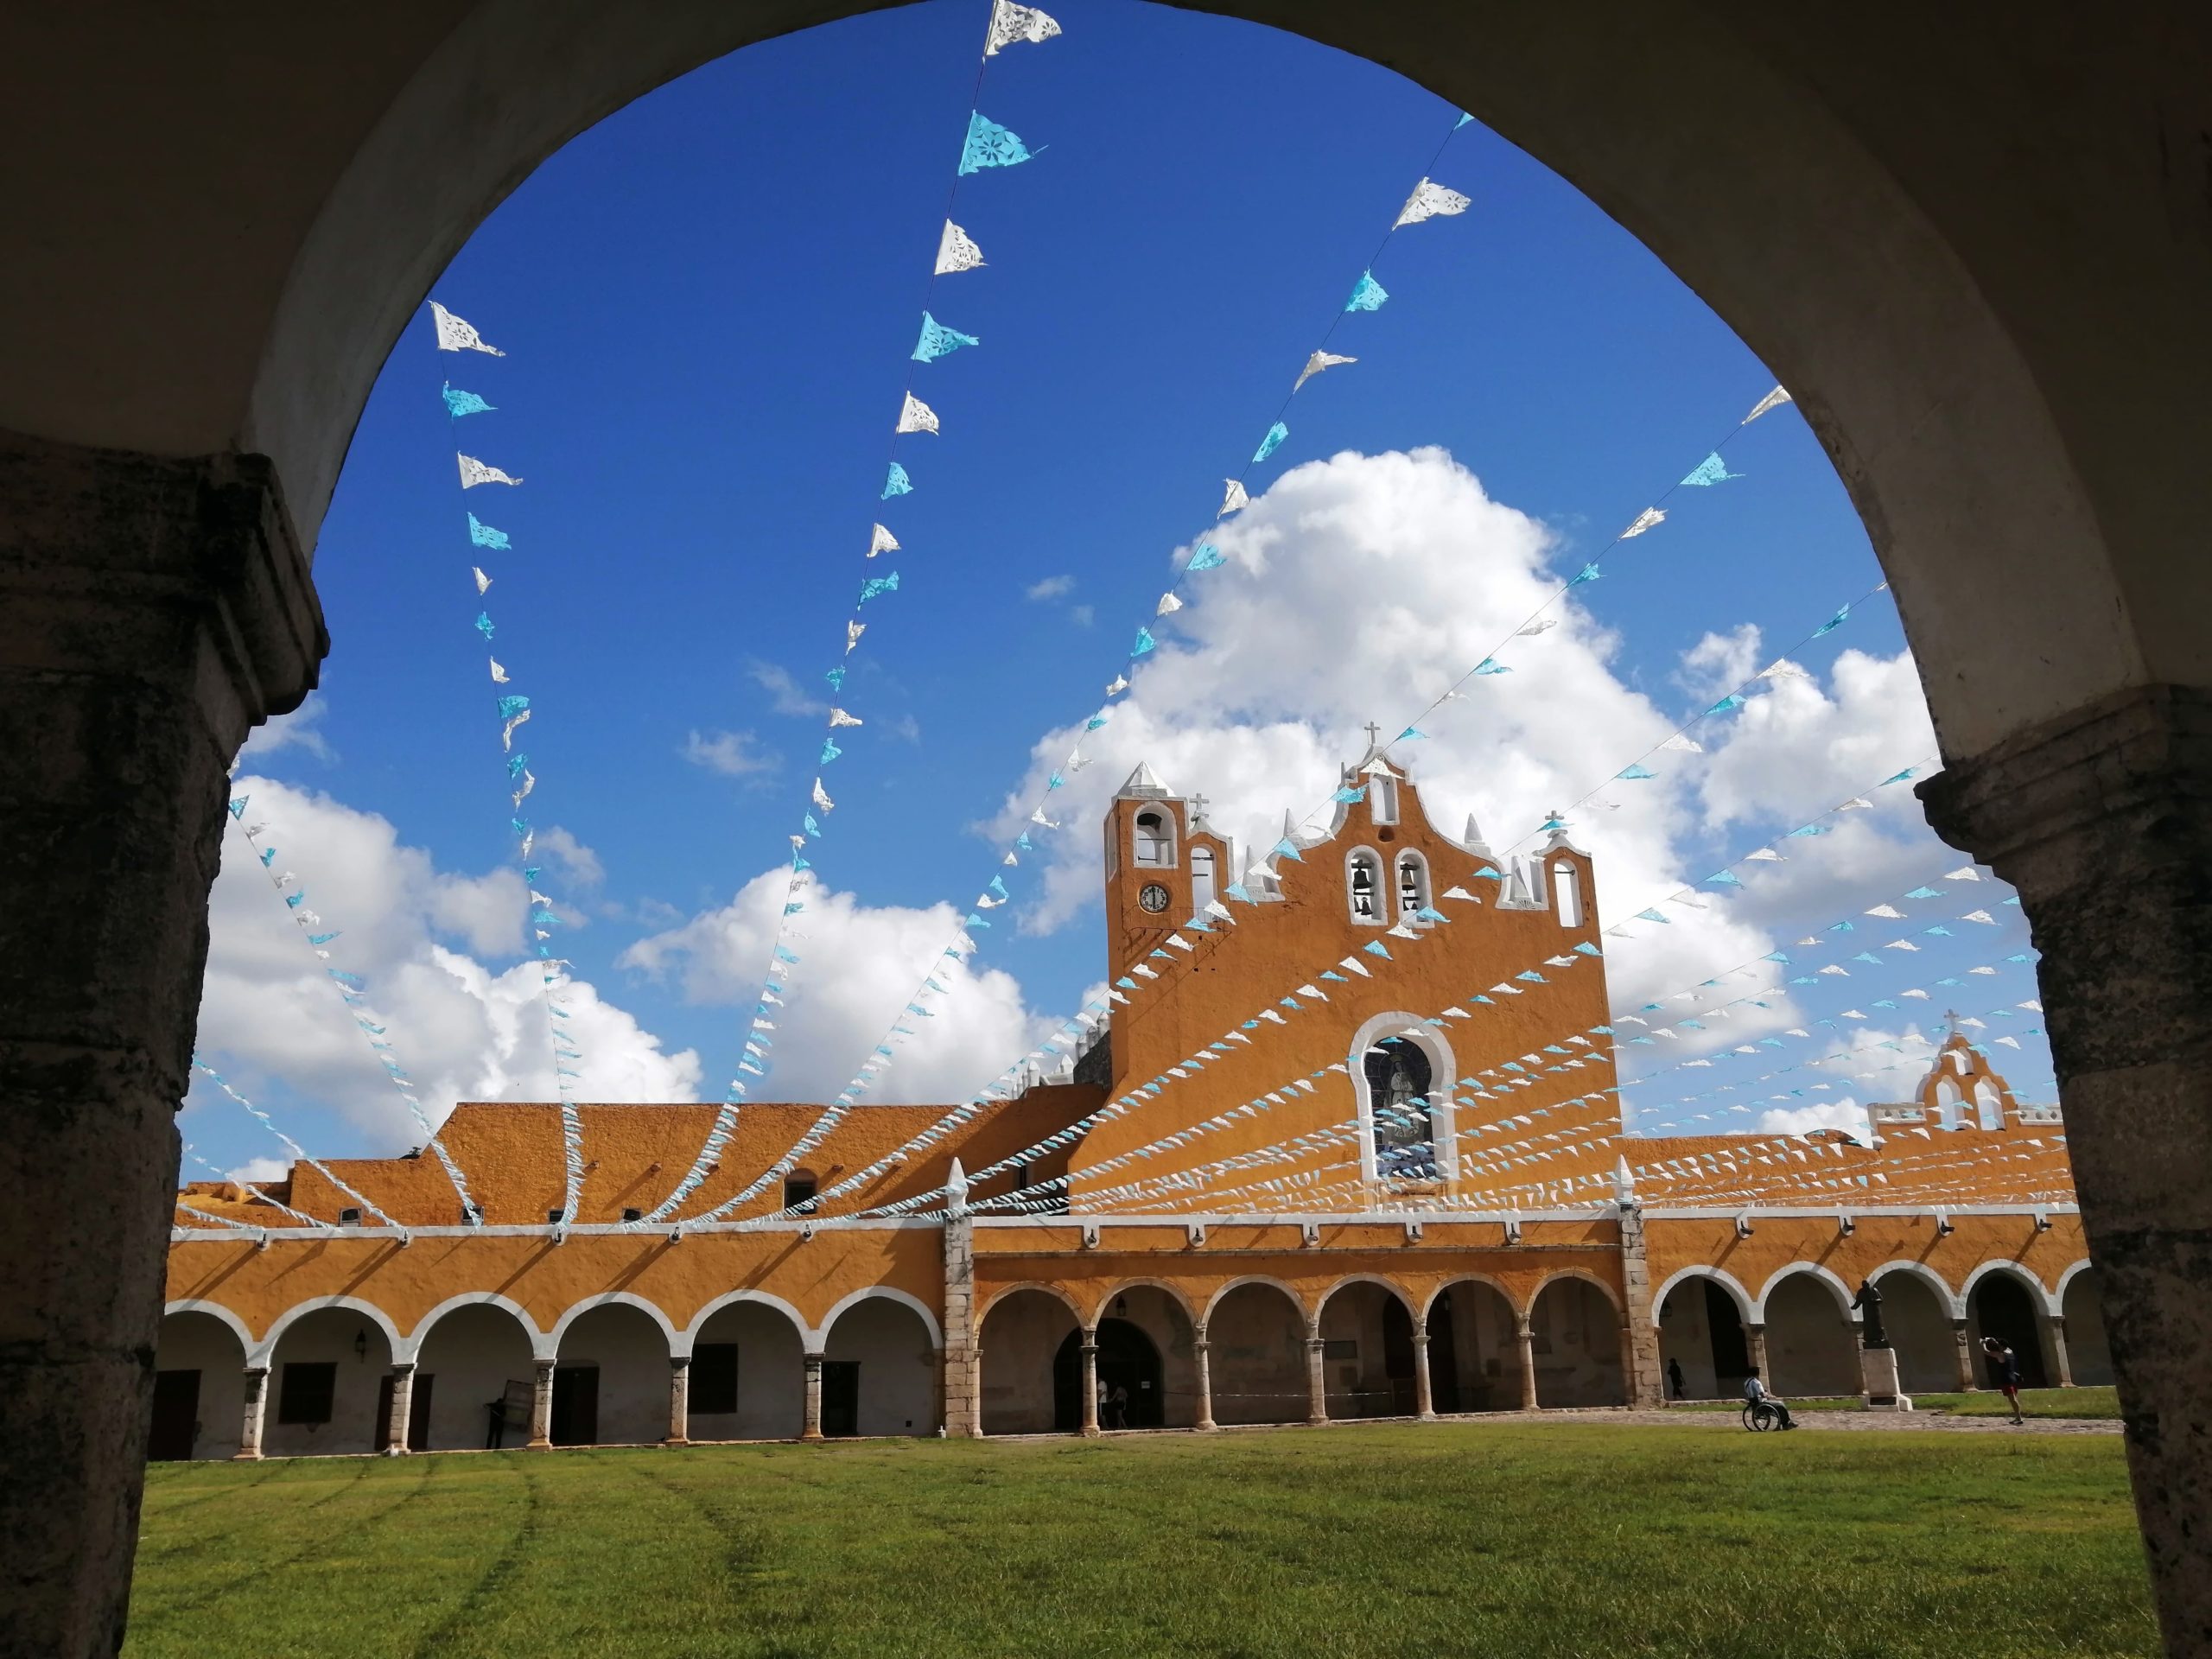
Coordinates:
(1424, 1399)
(1962, 1348)
(2103, 820)
(679, 1399)
(1317, 1381)
(1755, 1346)
(1091, 1383)
(541, 1407)
(1524, 1338)
(402, 1406)
(2062, 1366)
(151, 611)
(1643, 1379)
(1202, 1351)
(810, 1425)
(256, 1407)
(960, 1376)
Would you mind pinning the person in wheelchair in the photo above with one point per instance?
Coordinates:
(1755, 1395)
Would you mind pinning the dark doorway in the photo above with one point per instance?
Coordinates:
(1731, 1349)
(1443, 1358)
(1398, 1357)
(1126, 1361)
(841, 1397)
(176, 1416)
(2002, 1305)
(575, 1405)
(418, 1414)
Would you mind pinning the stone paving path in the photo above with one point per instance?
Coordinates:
(1837, 1421)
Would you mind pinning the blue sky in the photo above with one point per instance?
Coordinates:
(708, 301)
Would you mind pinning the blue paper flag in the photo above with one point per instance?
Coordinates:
(875, 585)
(1464, 119)
(1726, 878)
(989, 145)
(484, 535)
(1711, 470)
(459, 402)
(1634, 771)
(829, 752)
(1205, 557)
(1587, 573)
(1145, 643)
(1287, 848)
(1833, 623)
(1491, 666)
(811, 827)
(509, 706)
(1272, 442)
(897, 482)
(938, 340)
(1728, 704)
(1377, 948)
(484, 624)
(1367, 294)
(1347, 797)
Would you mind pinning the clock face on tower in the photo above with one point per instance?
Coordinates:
(1154, 898)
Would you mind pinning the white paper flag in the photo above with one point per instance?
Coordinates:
(455, 335)
(1430, 200)
(853, 631)
(1645, 521)
(482, 581)
(1318, 362)
(882, 542)
(1774, 399)
(917, 416)
(1010, 22)
(1235, 501)
(956, 251)
(475, 472)
(839, 717)
(1682, 745)
(821, 798)
(1169, 602)
(1120, 683)
(499, 674)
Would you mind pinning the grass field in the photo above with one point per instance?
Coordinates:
(1499, 1539)
(2034, 1402)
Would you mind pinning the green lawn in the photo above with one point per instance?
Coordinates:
(2034, 1402)
(1490, 1539)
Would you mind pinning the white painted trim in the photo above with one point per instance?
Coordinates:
(984, 1310)
(1439, 1218)
(615, 1298)
(229, 1321)
(1428, 885)
(2058, 1296)
(1444, 1077)
(1954, 1304)
(1384, 900)
(1174, 1295)
(883, 1293)
(1297, 1302)
(1405, 1298)
(1588, 1277)
(292, 1316)
(2025, 1274)
(1830, 1212)
(1727, 1282)
(758, 1299)
(1439, 1293)
(1806, 1269)
(477, 1299)
(597, 1229)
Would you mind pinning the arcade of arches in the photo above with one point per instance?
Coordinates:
(1978, 264)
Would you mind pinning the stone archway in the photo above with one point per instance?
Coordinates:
(2002, 352)
(2005, 1305)
(1704, 1330)
(610, 1378)
(1474, 1352)
(326, 1372)
(1918, 1324)
(1809, 1348)
(1575, 1331)
(198, 1388)
(473, 1374)
(2089, 1354)
(748, 1374)
(880, 1366)
(1367, 1352)
(1021, 1333)
(1255, 1335)
(1165, 1323)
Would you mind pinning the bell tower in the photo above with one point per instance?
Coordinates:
(1162, 865)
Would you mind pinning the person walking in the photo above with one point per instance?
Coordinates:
(1674, 1379)
(1117, 1404)
(1755, 1391)
(2005, 1373)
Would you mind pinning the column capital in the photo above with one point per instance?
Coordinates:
(545, 1367)
(679, 1362)
(256, 1373)
(402, 1367)
(814, 1361)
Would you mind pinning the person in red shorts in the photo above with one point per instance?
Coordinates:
(2005, 1372)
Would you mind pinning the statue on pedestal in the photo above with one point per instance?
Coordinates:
(1868, 1301)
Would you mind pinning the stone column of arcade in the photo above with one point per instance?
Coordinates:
(1316, 1382)
(810, 1425)
(1524, 1338)
(402, 1406)
(1755, 1350)
(1424, 1398)
(679, 1401)
(1963, 1353)
(1090, 1383)
(1202, 1351)
(541, 1407)
(152, 611)
(2062, 1367)
(2103, 820)
(256, 1407)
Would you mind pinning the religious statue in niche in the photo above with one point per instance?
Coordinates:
(1868, 1301)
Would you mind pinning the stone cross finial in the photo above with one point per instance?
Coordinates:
(1198, 807)
(1374, 735)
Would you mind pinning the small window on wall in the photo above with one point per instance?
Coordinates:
(1567, 884)
(1988, 1107)
(1382, 799)
(713, 1379)
(1202, 893)
(1398, 1082)
(798, 1194)
(1364, 881)
(1412, 885)
(1155, 840)
(305, 1392)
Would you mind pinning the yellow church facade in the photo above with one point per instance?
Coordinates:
(1349, 1147)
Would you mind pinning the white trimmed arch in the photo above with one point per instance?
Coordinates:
(229, 1321)
(734, 1298)
(1806, 1269)
(1405, 1299)
(2065, 1279)
(420, 1334)
(1174, 1295)
(293, 1314)
(679, 1343)
(1306, 1315)
(1612, 1295)
(2026, 1275)
(987, 1309)
(819, 1340)
(1952, 1304)
(1444, 1072)
(1428, 1304)
(1727, 1281)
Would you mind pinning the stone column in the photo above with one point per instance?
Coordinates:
(2102, 819)
(152, 610)
(960, 1374)
(679, 1399)
(1755, 1346)
(540, 1408)
(1524, 1338)
(971, 1415)
(2062, 1367)
(256, 1407)
(1091, 1383)
(1424, 1399)
(1317, 1381)
(1643, 1379)
(1965, 1356)
(1202, 1351)
(402, 1406)
(810, 1426)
